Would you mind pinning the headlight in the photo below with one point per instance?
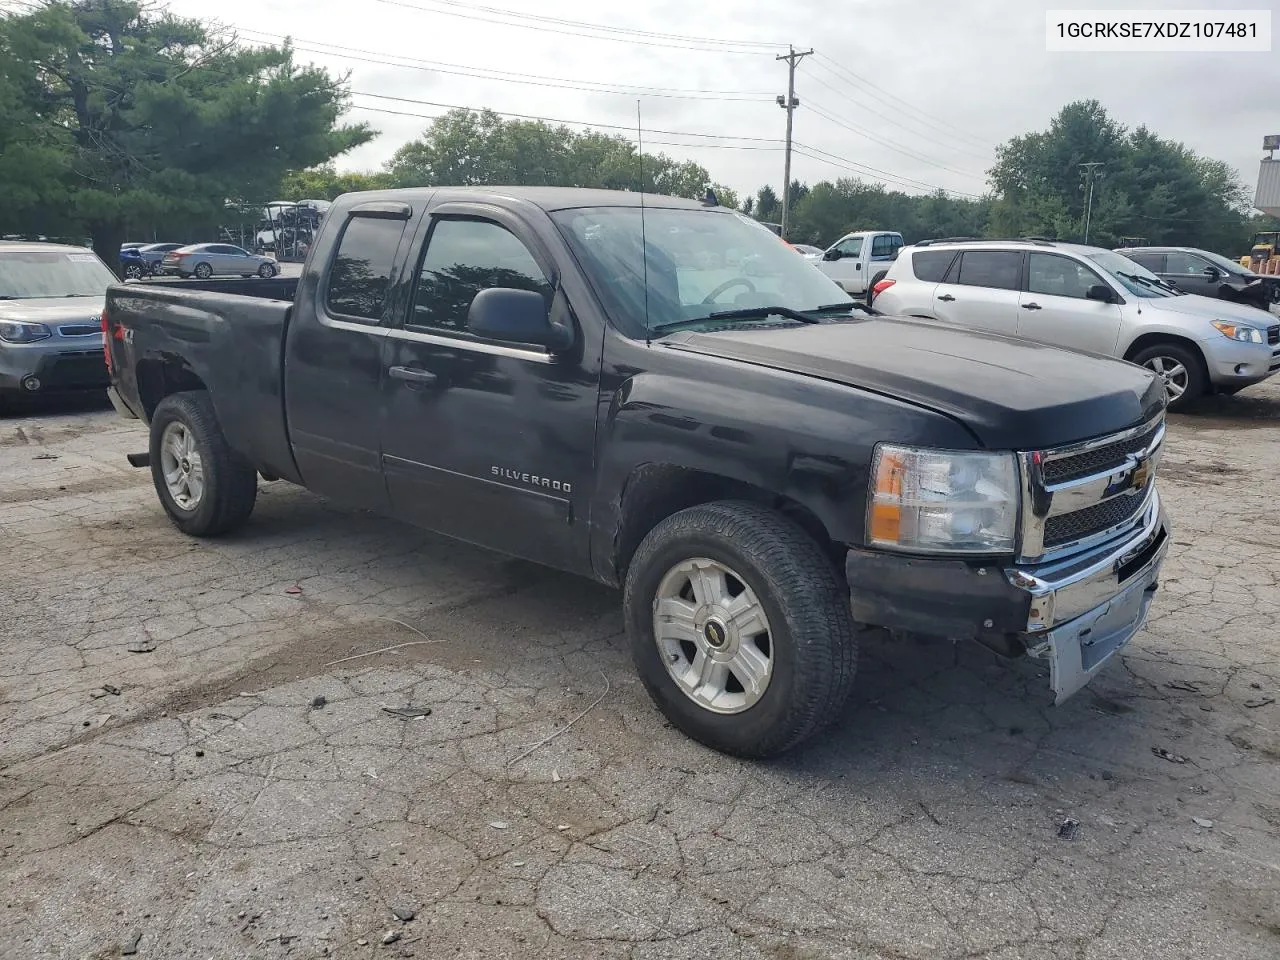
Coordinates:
(1238, 331)
(942, 501)
(23, 331)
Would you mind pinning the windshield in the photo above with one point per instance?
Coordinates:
(1134, 277)
(35, 274)
(700, 262)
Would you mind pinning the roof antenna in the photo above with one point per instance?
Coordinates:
(644, 243)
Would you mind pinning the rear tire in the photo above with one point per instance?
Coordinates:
(227, 483)
(780, 573)
(203, 271)
(1182, 370)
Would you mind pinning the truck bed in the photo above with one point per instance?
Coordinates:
(226, 336)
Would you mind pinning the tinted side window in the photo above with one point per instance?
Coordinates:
(1186, 263)
(991, 268)
(1059, 277)
(464, 257)
(931, 265)
(361, 269)
(1152, 261)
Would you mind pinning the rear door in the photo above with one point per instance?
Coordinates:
(333, 368)
(981, 291)
(1188, 272)
(488, 442)
(1055, 309)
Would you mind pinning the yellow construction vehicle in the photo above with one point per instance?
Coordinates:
(1262, 257)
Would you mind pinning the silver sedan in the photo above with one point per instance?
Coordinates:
(205, 260)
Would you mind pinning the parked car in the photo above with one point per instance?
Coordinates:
(858, 261)
(758, 466)
(205, 260)
(51, 299)
(154, 253)
(1208, 274)
(133, 266)
(1090, 299)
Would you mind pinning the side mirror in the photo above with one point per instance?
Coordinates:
(1211, 273)
(1101, 292)
(516, 316)
(831, 255)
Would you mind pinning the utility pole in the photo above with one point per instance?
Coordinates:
(1090, 174)
(789, 103)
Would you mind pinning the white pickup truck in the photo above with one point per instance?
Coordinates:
(857, 261)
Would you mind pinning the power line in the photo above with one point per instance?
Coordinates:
(504, 76)
(854, 128)
(931, 135)
(836, 67)
(665, 143)
(585, 123)
(854, 167)
(616, 34)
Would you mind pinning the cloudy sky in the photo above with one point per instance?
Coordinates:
(915, 93)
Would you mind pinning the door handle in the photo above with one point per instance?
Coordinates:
(857, 266)
(946, 298)
(412, 374)
(1031, 306)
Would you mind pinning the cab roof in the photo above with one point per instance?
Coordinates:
(549, 199)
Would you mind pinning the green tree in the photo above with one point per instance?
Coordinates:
(468, 147)
(326, 183)
(1148, 186)
(768, 206)
(120, 116)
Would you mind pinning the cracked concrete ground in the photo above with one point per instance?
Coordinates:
(211, 809)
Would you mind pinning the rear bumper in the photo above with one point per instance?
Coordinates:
(1076, 613)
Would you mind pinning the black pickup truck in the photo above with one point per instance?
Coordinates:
(664, 397)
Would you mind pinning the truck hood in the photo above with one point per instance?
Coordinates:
(1012, 394)
(54, 309)
(1209, 308)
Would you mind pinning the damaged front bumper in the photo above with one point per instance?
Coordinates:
(1075, 613)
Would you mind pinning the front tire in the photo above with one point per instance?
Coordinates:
(206, 488)
(266, 271)
(739, 628)
(1180, 368)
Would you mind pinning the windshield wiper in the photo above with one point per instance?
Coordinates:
(1153, 284)
(746, 313)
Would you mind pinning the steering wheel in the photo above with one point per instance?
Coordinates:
(728, 285)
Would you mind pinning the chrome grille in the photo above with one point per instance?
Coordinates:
(1097, 460)
(1273, 335)
(1069, 527)
(1086, 493)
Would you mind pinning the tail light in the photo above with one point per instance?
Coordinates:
(106, 339)
(882, 286)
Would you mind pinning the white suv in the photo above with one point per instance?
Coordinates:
(1087, 299)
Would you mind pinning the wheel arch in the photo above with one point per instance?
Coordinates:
(655, 491)
(159, 377)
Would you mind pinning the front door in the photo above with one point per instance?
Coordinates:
(1189, 274)
(491, 443)
(980, 291)
(334, 369)
(1055, 309)
(849, 269)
